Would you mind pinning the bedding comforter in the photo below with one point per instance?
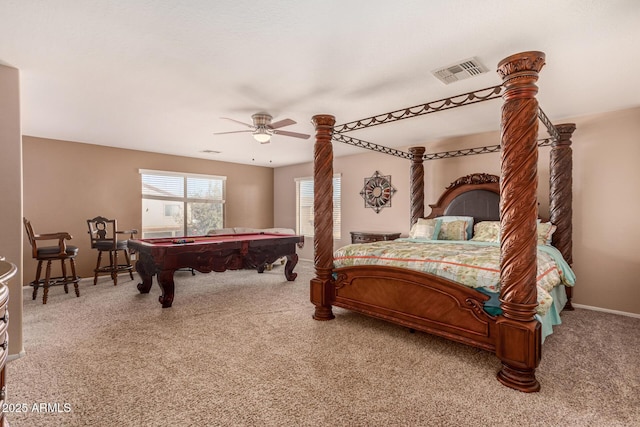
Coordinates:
(470, 263)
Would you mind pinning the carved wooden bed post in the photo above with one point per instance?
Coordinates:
(519, 337)
(323, 216)
(561, 195)
(417, 184)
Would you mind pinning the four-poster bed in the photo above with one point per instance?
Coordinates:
(429, 303)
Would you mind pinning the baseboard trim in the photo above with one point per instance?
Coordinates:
(16, 356)
(606, 310)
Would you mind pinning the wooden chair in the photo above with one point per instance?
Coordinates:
(104, 235)
(62, 252)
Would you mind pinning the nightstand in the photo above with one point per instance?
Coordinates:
(372, 236)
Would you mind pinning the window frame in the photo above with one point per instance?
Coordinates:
(185, 200)
(337, 206)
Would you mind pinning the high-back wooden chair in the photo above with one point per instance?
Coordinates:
(62, 252)
(104, 236)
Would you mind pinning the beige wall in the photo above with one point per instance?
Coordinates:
(606, 210)
(353, 170)
(606, 205)
(11, 190)
(66, 183)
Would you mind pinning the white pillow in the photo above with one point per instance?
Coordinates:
(425, 229)
(486, 231)
(545, 231)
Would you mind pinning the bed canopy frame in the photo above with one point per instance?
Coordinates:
(514, 335)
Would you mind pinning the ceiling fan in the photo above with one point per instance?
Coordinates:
(262, 128)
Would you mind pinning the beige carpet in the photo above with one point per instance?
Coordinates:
(241, 349)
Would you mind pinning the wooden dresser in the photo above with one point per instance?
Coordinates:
(7, 271)
(372, 236)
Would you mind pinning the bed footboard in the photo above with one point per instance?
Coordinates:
(418, 301)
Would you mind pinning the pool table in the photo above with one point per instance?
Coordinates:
(221, 252)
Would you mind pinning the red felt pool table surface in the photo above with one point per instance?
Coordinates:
(163, 256)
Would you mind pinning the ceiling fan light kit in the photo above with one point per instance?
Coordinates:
(262, 128)
(262, 136)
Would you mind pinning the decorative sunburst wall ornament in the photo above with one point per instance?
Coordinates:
(377, 191)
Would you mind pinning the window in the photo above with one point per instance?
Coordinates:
(304, 206)
(175, 204)
(171, 209)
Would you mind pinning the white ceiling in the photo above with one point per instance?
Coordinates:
(157, 75)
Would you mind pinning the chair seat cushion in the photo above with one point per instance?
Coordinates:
(108, 246)
(53, 251)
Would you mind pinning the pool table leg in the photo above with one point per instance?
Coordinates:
(147, 279)
(292, 260)
(165, 281)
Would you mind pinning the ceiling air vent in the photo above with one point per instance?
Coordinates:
(460, 71)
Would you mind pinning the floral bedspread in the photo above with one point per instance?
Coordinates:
(472, 264)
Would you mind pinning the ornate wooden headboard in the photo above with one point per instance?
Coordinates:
(476, 195)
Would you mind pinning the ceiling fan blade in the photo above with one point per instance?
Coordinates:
(282, 123)
(233, 131)
(238, 121)
(293, 134)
